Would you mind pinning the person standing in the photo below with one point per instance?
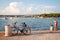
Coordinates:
(25, 28)
(55, 24)
(15, 27)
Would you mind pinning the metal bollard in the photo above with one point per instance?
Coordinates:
(8, 31)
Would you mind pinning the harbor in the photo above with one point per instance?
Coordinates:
(29, 19)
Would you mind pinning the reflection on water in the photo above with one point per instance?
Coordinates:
(34, 23)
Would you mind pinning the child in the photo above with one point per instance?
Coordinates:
(51, 27)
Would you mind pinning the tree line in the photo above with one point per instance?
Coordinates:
(50, 15)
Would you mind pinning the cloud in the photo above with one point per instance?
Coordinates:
(12, 9)
(48, 9)
(19, 8)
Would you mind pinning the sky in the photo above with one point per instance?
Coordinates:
(29, 7)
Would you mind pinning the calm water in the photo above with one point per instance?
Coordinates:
(34, 23)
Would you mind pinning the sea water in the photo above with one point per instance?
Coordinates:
(34, 23)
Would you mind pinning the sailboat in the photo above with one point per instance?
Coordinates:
(6, 18)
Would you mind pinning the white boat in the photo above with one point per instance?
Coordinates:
(6, 18)
(10, 17)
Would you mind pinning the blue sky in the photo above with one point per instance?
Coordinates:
(24, 7)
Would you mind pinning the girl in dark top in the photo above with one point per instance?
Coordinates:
(24, 28)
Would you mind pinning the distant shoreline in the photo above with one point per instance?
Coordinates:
(57, 15)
